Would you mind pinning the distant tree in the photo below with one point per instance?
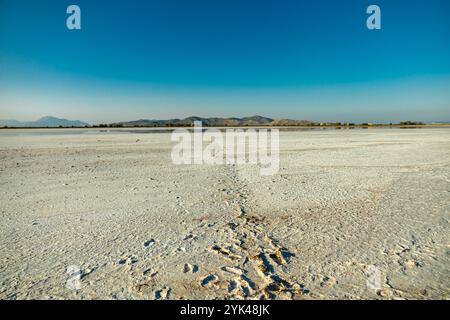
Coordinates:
(411, 123)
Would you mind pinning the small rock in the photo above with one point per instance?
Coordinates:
(163, 293)
(385, 293)
(234, 270)
(188, 268)
(209, 280)
(130, 260)
(149, 243)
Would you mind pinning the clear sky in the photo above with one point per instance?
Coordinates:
(311, 59)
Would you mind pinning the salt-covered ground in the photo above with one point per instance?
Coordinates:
(347, 207)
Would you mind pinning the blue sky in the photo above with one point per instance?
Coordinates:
(312, 59)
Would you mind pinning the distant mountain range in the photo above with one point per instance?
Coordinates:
(44, 122)
(52, 122)
(213, 122)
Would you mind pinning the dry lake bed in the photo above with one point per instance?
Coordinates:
(351, 214)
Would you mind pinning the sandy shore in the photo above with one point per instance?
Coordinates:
(139, 227)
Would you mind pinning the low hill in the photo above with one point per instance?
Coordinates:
(213, 122)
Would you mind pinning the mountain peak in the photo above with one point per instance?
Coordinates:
(44, 122)
(45, 118)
